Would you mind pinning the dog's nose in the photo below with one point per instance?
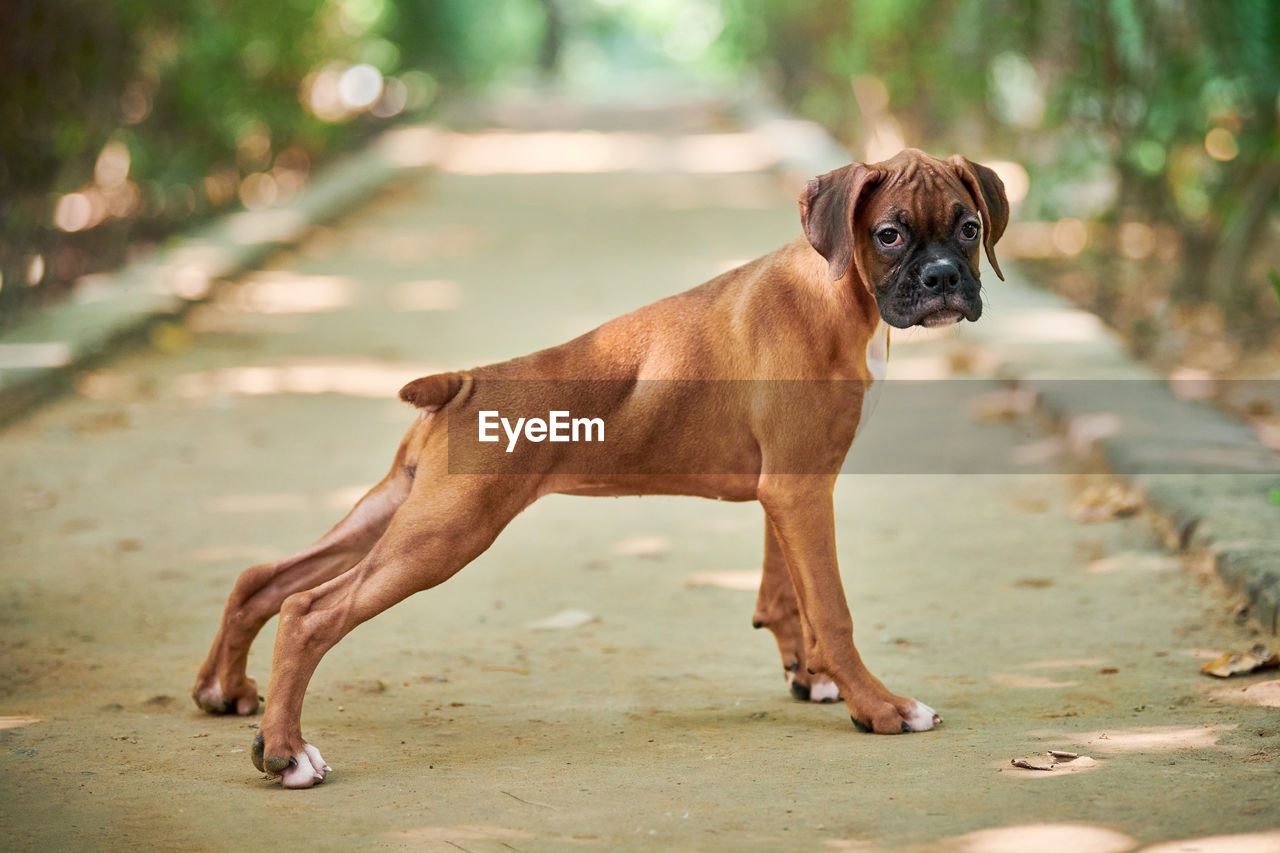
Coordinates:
(940, 276)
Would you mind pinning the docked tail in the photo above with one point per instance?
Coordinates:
(433, 392)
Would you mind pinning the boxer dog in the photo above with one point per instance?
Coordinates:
(749, 387)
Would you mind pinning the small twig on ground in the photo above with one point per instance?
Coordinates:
(529, 802)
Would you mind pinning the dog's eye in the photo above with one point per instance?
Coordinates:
(969, 230)
(889, 236)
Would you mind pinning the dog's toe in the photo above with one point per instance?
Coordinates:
(920, 718)
(303, 769)
(902, 717)
(823, 690)
(212, 699)
(820, 688)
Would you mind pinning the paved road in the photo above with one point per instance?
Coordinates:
(453, 721)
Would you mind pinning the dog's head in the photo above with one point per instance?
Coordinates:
(909, 229)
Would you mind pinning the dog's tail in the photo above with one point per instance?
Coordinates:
(432, 392)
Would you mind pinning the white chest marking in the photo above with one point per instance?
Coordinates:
(877, 367)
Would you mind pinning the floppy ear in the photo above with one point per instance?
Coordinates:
(993, 205)
(827, 207)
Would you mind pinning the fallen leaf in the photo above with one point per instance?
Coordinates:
(1105, 502)
(1004, 405)
(1237, 663)
(1060, 763)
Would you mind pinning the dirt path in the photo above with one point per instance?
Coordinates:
(661, 723)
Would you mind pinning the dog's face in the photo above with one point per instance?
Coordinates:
(909, 229)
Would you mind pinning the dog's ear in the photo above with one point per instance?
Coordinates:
(432, 392)
(993, 205)
(827, 208)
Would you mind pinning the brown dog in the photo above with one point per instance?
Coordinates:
(749, 387)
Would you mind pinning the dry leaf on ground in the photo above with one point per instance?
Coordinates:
(1105, 502)
(1005, 405)
(1058, 760)
(1238, 663)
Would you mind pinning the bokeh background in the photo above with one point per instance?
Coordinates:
(1139, 137)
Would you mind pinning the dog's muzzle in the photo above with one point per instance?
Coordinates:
(941, 292)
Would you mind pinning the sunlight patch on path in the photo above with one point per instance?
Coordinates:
(1144, 739)
(1043, 838)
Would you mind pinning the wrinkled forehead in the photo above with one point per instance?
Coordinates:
(920, 192)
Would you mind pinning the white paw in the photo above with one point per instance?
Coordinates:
(213, 700)
(823, 689)
(922, 718)
(305, 769)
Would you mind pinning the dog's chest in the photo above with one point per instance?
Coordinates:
(877, 367)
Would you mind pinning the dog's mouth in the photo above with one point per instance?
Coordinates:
(940, 318)
(947, 311)
(932, 310)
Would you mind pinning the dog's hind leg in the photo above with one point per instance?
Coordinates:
(222, 686)
(446, 522)
(778, 610)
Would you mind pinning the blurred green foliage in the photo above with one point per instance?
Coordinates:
(1162, 112)
(191, 98)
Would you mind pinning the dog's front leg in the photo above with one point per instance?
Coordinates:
(778, 610)
(799, 508)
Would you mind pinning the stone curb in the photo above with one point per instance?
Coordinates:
(1202, 470)
(40, 357)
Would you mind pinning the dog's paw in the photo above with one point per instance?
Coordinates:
(820, 688)
(211, 698)
(304, 769)
(905, 716)
(921, 718)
